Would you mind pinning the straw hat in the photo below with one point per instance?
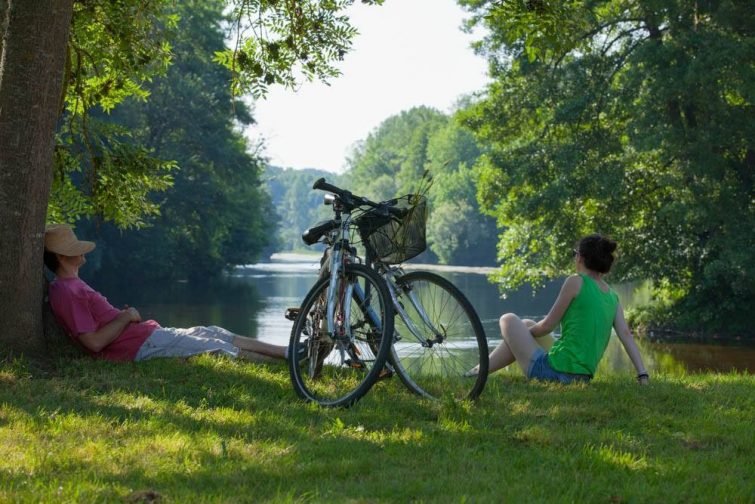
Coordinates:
(60, 238)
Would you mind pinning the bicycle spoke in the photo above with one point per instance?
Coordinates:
(340, 367)
(456, 340)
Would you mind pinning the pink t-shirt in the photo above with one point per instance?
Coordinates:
(81, 309)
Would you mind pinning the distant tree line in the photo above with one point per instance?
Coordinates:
(297, 206)
(418, 150)
(424, 150)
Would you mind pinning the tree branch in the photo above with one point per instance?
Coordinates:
(592, 33)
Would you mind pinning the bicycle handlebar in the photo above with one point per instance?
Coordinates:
(352, 200)
(324, 186)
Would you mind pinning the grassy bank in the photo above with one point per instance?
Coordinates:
(214, 430)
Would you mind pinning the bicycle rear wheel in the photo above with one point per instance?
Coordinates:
(437, 339)
(338, 369)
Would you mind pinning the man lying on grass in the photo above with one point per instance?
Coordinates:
(121, 335)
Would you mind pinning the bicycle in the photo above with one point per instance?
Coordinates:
(438, 336)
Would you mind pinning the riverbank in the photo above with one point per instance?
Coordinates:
(665, 335)
(215, 430)
(299, 257)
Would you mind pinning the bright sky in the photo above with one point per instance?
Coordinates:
(408, 53)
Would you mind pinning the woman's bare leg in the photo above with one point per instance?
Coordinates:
(519, 339)
(502, 355)
(259, 347)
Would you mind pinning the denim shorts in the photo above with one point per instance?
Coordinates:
(540, 369)
(176, 342)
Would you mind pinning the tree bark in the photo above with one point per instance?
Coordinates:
(3, 25)
(31, 79)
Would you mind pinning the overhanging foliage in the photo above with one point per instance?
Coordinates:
(629, 118)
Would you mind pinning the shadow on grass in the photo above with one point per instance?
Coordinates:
(246, 437)
(177, 393)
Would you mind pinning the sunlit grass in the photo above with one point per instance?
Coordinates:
(215, 430)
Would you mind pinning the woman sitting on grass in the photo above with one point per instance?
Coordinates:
(587, 308)
(120, 335)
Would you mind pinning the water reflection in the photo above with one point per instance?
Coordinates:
(253, 300)
(229, 303)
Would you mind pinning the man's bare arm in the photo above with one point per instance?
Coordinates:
(96, 341)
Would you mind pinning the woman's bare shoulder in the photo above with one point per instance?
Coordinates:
(572, 285)
(574, 280)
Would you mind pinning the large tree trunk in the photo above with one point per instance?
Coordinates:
(32, 57)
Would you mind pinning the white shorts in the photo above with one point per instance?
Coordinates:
(177, 342)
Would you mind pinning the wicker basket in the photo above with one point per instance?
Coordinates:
(396, 241)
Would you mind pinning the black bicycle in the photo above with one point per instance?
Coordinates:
(366, 318)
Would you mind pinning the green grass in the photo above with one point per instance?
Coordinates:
(216, 430)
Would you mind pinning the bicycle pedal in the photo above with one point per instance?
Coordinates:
(354, 364)
(292, 313)
(385, 374)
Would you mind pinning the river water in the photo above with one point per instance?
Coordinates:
(253, 299)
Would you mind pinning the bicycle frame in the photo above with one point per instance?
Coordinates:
(389, 275)
(393, 289)
(340, 252)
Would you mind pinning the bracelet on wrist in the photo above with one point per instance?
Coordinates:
(642, 375)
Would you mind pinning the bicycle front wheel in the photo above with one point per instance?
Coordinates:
(338, 368)
(438, 339)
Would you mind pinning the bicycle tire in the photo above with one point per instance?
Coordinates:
(333, 370)
(437, 370)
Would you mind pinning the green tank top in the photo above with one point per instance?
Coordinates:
(585, 330)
